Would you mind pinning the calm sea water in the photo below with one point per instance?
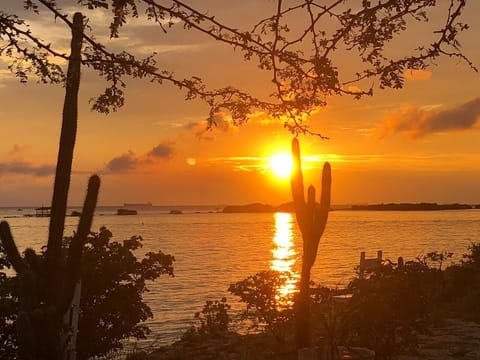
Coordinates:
(213, 250)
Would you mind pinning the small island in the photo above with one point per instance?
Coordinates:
(259, 208)
(289, 207)
(126, 212)
(412, 207)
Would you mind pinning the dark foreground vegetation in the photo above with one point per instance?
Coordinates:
(386, 311)
(111, 308)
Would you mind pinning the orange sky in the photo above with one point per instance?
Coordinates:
(421, 143)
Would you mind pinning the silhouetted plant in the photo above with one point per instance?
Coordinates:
(45, 290)
(265, 309)
(312, 219)
(112, 308)
(461, 291)
(472, 258)
(213, 321)
(8, 310)
(437, 258)
(391, 306)
(114, 280)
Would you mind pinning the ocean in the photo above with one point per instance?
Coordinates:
(213, 249)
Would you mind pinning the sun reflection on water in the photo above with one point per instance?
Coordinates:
(284, 257)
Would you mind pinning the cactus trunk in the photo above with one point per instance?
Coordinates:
(64, 160)
(312, 219)
(46, 290)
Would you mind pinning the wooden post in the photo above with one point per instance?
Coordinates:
(70, 323)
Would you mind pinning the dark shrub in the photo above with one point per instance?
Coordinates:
(111, 306)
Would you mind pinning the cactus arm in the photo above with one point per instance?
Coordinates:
(78, 241)
(11, 249)
(64, 161)
(321, 213)
(308, 233)
(326, 187)
(297, 185)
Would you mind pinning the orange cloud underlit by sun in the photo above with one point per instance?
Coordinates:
(411, 74)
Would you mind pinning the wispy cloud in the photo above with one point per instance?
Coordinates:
(25, 168)
(243, 163)
(424, 161)
(418, 122)
(262, 164)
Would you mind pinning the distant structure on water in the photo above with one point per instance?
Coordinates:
(147, 204)
(43, 211)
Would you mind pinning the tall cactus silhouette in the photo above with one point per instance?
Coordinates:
(46, 288)
(312, 219)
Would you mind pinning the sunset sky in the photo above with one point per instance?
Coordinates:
(421, 143)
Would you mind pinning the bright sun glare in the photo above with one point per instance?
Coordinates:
(281, 165)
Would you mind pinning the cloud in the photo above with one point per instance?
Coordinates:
(130, 161)
(24, 168)
(221, 121)
(419, 122)
(411, 74)
(163, 150)
(123, 163)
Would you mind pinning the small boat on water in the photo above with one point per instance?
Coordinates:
(176, 212)
(127, 212)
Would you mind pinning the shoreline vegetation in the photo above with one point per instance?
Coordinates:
(382, 317)
(289, 207)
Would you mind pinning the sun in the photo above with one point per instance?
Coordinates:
(281, 165)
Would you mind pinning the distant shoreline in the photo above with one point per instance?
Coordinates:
(286, 207)
(414, 207)
(289, 207)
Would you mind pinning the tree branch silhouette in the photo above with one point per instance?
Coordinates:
(302, 60)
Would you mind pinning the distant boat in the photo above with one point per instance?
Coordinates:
(147, 204)
(76, 213)
(176, 212)
(126, 212)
